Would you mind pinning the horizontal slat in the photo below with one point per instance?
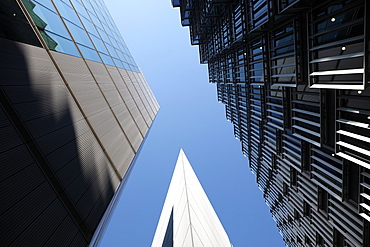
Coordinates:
(352, 85)
(307, 130)
(353, 159)
(365, 174)
(307, 112)
(327, 164)
(365, 216)
(354, 123)
(276, 119)
(366, 185)
(307, 139)
(355, 136)
(290, 54)
(283, 75)
(276, 112)
(353, 147)
(339, 72)
(272, 104)
(326, 59)
(328, 174)
(338, 42)
(282, 65)
(365, 196)
(365, 206)
(351, 110)
(327, 181)
(306, 121)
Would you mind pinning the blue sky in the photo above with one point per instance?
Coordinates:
(190, 118)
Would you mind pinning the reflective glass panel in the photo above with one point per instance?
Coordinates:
(89, 53)
(46, 3)
(99, 44)
(79, 34)
(67, 12)
(111, 50)
(103, 35)
(46, 19)
(107, 59)
(89, 26)
(60, 44)
(79, 8)
(118, 63)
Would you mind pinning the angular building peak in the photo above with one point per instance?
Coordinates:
(188, 218)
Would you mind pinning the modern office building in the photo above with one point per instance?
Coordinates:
(294, 75)
(188, 218)
(74, 111)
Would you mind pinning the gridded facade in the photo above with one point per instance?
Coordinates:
(294, 75)
(74, 110)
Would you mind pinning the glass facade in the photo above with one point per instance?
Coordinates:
(294, 78)
(74, 112)
(81, 29)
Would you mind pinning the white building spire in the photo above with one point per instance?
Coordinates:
(188, 218)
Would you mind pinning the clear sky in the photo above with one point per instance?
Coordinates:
(190, 118)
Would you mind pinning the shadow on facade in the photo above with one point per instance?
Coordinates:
(54, 178)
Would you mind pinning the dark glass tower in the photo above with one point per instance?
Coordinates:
(74, 110)
(294, 75)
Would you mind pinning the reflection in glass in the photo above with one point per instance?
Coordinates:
(79, 34)
(51, 28)
(99, 44)
(45, 18)
(90, 26)
(67, 12)
(89, 54)
(63, 45)
(107, 59)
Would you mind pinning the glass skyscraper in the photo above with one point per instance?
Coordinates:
(294, 76)
(74, 111)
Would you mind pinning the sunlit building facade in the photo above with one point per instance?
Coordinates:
(74, 111)
(294, 75)
(188, 218)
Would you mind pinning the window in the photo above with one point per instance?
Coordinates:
(306, 209)
(323, 200)
(352, 179)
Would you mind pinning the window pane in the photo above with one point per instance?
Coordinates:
(61, 44)
(46, 19)
(79, 34)
(99, 44)
(89, 53)
(67, 12)
(107, 59)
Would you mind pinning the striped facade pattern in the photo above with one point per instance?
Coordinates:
(294, 75)
(70, 128)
